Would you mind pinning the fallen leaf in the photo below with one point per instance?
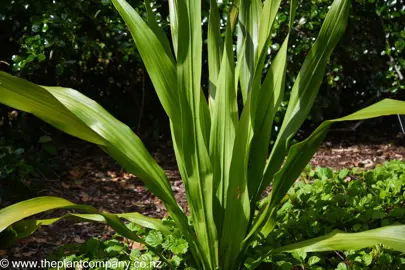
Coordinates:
(27, 182)
(84, 197)
(157, 200)
(130, 186)
(137, 245)
(138, 204)
(76, 173)
(78, 184)
(64, 185)
(367, 163)
(79, 240)
(100, 175)
(40, 240)
(112, 174)
(126, 176)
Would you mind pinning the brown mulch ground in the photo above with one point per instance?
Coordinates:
(346, 150)
(91, 177)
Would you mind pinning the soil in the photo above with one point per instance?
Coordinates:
(89, 176)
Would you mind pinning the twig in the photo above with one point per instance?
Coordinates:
(4, 62)
(343, 258)
(354, 128)
(400, 122)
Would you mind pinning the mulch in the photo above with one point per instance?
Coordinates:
(91, 177)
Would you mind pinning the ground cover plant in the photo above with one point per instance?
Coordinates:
(221, 145)
(350, 200)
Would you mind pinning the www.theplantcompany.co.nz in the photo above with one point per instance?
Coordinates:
(65, 264)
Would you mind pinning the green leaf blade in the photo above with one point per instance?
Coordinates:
(307, 84)
(237, 200)
(192, 140)
(215, 48)
(390, 236)
(248, 34)
(268, 101)
(223, 129)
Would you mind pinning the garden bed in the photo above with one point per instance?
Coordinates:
(93, 178)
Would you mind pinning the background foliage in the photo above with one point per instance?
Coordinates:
(368, 63)
(80, 44)
(85, 45)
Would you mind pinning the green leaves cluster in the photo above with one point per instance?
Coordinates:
(171, 244)
(14, 170)
(10, 161)
(75, 35)
(349, 200)
(83, 45)
(366, 65)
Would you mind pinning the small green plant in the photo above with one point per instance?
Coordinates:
(349, 200)
(15, 170)
(222, 152)
(22, 167)
(10, 161)
(130, 254)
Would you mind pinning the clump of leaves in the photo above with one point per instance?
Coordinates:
(350, 200)
(14, 170)
(11, 160)
(172, 245)
(21, 165)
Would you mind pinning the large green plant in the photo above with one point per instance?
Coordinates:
(222, 155)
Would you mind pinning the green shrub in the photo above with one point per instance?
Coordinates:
(84, 45)
(172, 245)
(14, 172)
(350, 200)
(88, 47)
